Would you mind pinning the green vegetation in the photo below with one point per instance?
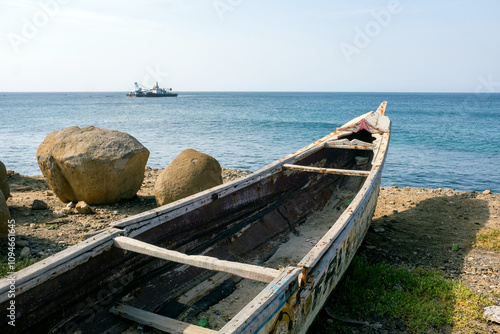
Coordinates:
(423, 300)
(489, 240)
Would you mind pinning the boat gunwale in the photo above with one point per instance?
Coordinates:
(59, 263)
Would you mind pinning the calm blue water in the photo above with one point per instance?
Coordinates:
(438, 140)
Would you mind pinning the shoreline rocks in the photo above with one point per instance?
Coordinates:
(4, 217)
(4, 195)
(83, 208)
(4, 184)
(98, 166)
(39, 205)
(189, 173)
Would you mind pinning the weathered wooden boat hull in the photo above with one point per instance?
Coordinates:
(243, 221)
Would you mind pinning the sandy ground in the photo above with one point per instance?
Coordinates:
(418, 227)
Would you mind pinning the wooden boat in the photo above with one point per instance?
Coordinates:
(259, 254)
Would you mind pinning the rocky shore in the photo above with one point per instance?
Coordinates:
(431, 228)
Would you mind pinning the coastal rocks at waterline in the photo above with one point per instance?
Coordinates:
(190, 172)
(4, 217)
(98, 166)
(4, 194)
(4, 185)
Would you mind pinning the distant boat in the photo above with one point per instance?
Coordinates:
(156, 91)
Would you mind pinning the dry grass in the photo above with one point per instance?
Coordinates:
(489, 240)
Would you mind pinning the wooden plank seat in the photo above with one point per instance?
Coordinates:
(244, 270)
(327, 170)
(158, 321)
(354, 144)
(350, 145)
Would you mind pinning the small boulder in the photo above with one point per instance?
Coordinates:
(492, 313)
(4, 185)
(4, 217)
(67, 210)
(98, 166)
(190, 172)
(39, 205)
(58, 213)
(83, 208)
(487, 192)
(25, 253)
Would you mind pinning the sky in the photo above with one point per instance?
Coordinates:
(250, 45)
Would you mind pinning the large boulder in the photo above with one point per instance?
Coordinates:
(190, 172)
(4, 217)
(98, 166)
(4, 185)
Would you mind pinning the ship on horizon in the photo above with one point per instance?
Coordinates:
(156, 91)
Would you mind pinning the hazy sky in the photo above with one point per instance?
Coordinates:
(250, 45)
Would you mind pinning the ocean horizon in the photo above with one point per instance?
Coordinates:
(447, 140)
(478, 94)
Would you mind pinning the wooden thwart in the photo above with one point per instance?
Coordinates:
(158, 321)
(327, 170)
(368, 147)
(250, 271)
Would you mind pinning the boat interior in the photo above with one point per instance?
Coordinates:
(275, 227)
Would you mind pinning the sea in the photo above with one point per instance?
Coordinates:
(439, 140)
